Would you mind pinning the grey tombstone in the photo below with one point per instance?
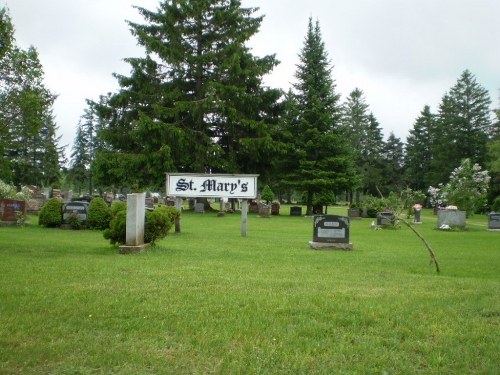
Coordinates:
(199, 208)
(451, 218)
(385, 218)
(331, 232)
(494, 221)
(417, 219)
(295, 211)
(78, 209)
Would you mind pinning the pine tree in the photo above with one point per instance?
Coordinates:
(364, 135)
(26, 148)
(393, 156)
(196, 102)
(464, 127)
(323, 159)
(418, 151)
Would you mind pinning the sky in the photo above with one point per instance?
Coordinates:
(403, 54)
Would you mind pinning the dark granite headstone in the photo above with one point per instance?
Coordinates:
(331, 229)
(295, 211)
(75, 208)
(494, 221)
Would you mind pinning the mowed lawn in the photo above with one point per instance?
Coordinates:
(208, 301)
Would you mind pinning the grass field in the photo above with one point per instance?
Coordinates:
(210, 301)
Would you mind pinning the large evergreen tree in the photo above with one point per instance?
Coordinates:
(418, 151)
(463, 128)
(196, 102)
(393, 156)
(29, 153)
(364, 136)
(323, 162)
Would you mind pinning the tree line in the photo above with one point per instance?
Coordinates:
(196, 102)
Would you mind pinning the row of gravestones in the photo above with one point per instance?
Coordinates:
(332, 231)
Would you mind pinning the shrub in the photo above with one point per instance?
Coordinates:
(159, 222)
(116, 233)
(74, 221)
(267, 194)
(51, 213)
(99, 214)
(118, 206)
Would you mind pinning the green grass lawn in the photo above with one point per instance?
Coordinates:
(210, 301)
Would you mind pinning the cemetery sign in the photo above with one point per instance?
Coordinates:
(212, 185)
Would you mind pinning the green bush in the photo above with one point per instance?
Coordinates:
(267, 194)
(118, 206)
(51, 213)
(99, 214)
(74, 221)
(157, 224)
(116, 233)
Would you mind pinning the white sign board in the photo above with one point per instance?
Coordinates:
(243, 186)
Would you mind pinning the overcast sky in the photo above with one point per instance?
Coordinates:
(403, 54)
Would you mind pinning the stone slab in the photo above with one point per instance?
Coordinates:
(131, 249)
(330, 246)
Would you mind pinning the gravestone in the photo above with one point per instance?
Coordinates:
(9, 209)
(264, 210)
(199, 208)
(275, 208)
(331, 232)
(417, 218)
(494, 221)
(79, 209)
(354, 213)
(452, 218)
(385, 218)
(150, 203)
(136, 211)
(295, 211)
(254, 207)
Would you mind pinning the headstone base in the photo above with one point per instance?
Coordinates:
(130, 249)
(493, 230)
(330, 246)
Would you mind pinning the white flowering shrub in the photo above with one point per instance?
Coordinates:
(467, 187)
(437, 196)
(8, 191)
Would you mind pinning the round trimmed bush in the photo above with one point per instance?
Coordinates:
(159, 222)
(116, 233)
(99, 214)
(51, 213)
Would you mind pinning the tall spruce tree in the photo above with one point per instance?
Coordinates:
(364, 135)
(393, 156)
(323, 160)
(418, 151)
(463, 128)
(29, 150)
(196, 102)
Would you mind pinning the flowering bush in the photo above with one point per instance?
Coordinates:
(8, 191)
(467, 187)
(437, 196)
